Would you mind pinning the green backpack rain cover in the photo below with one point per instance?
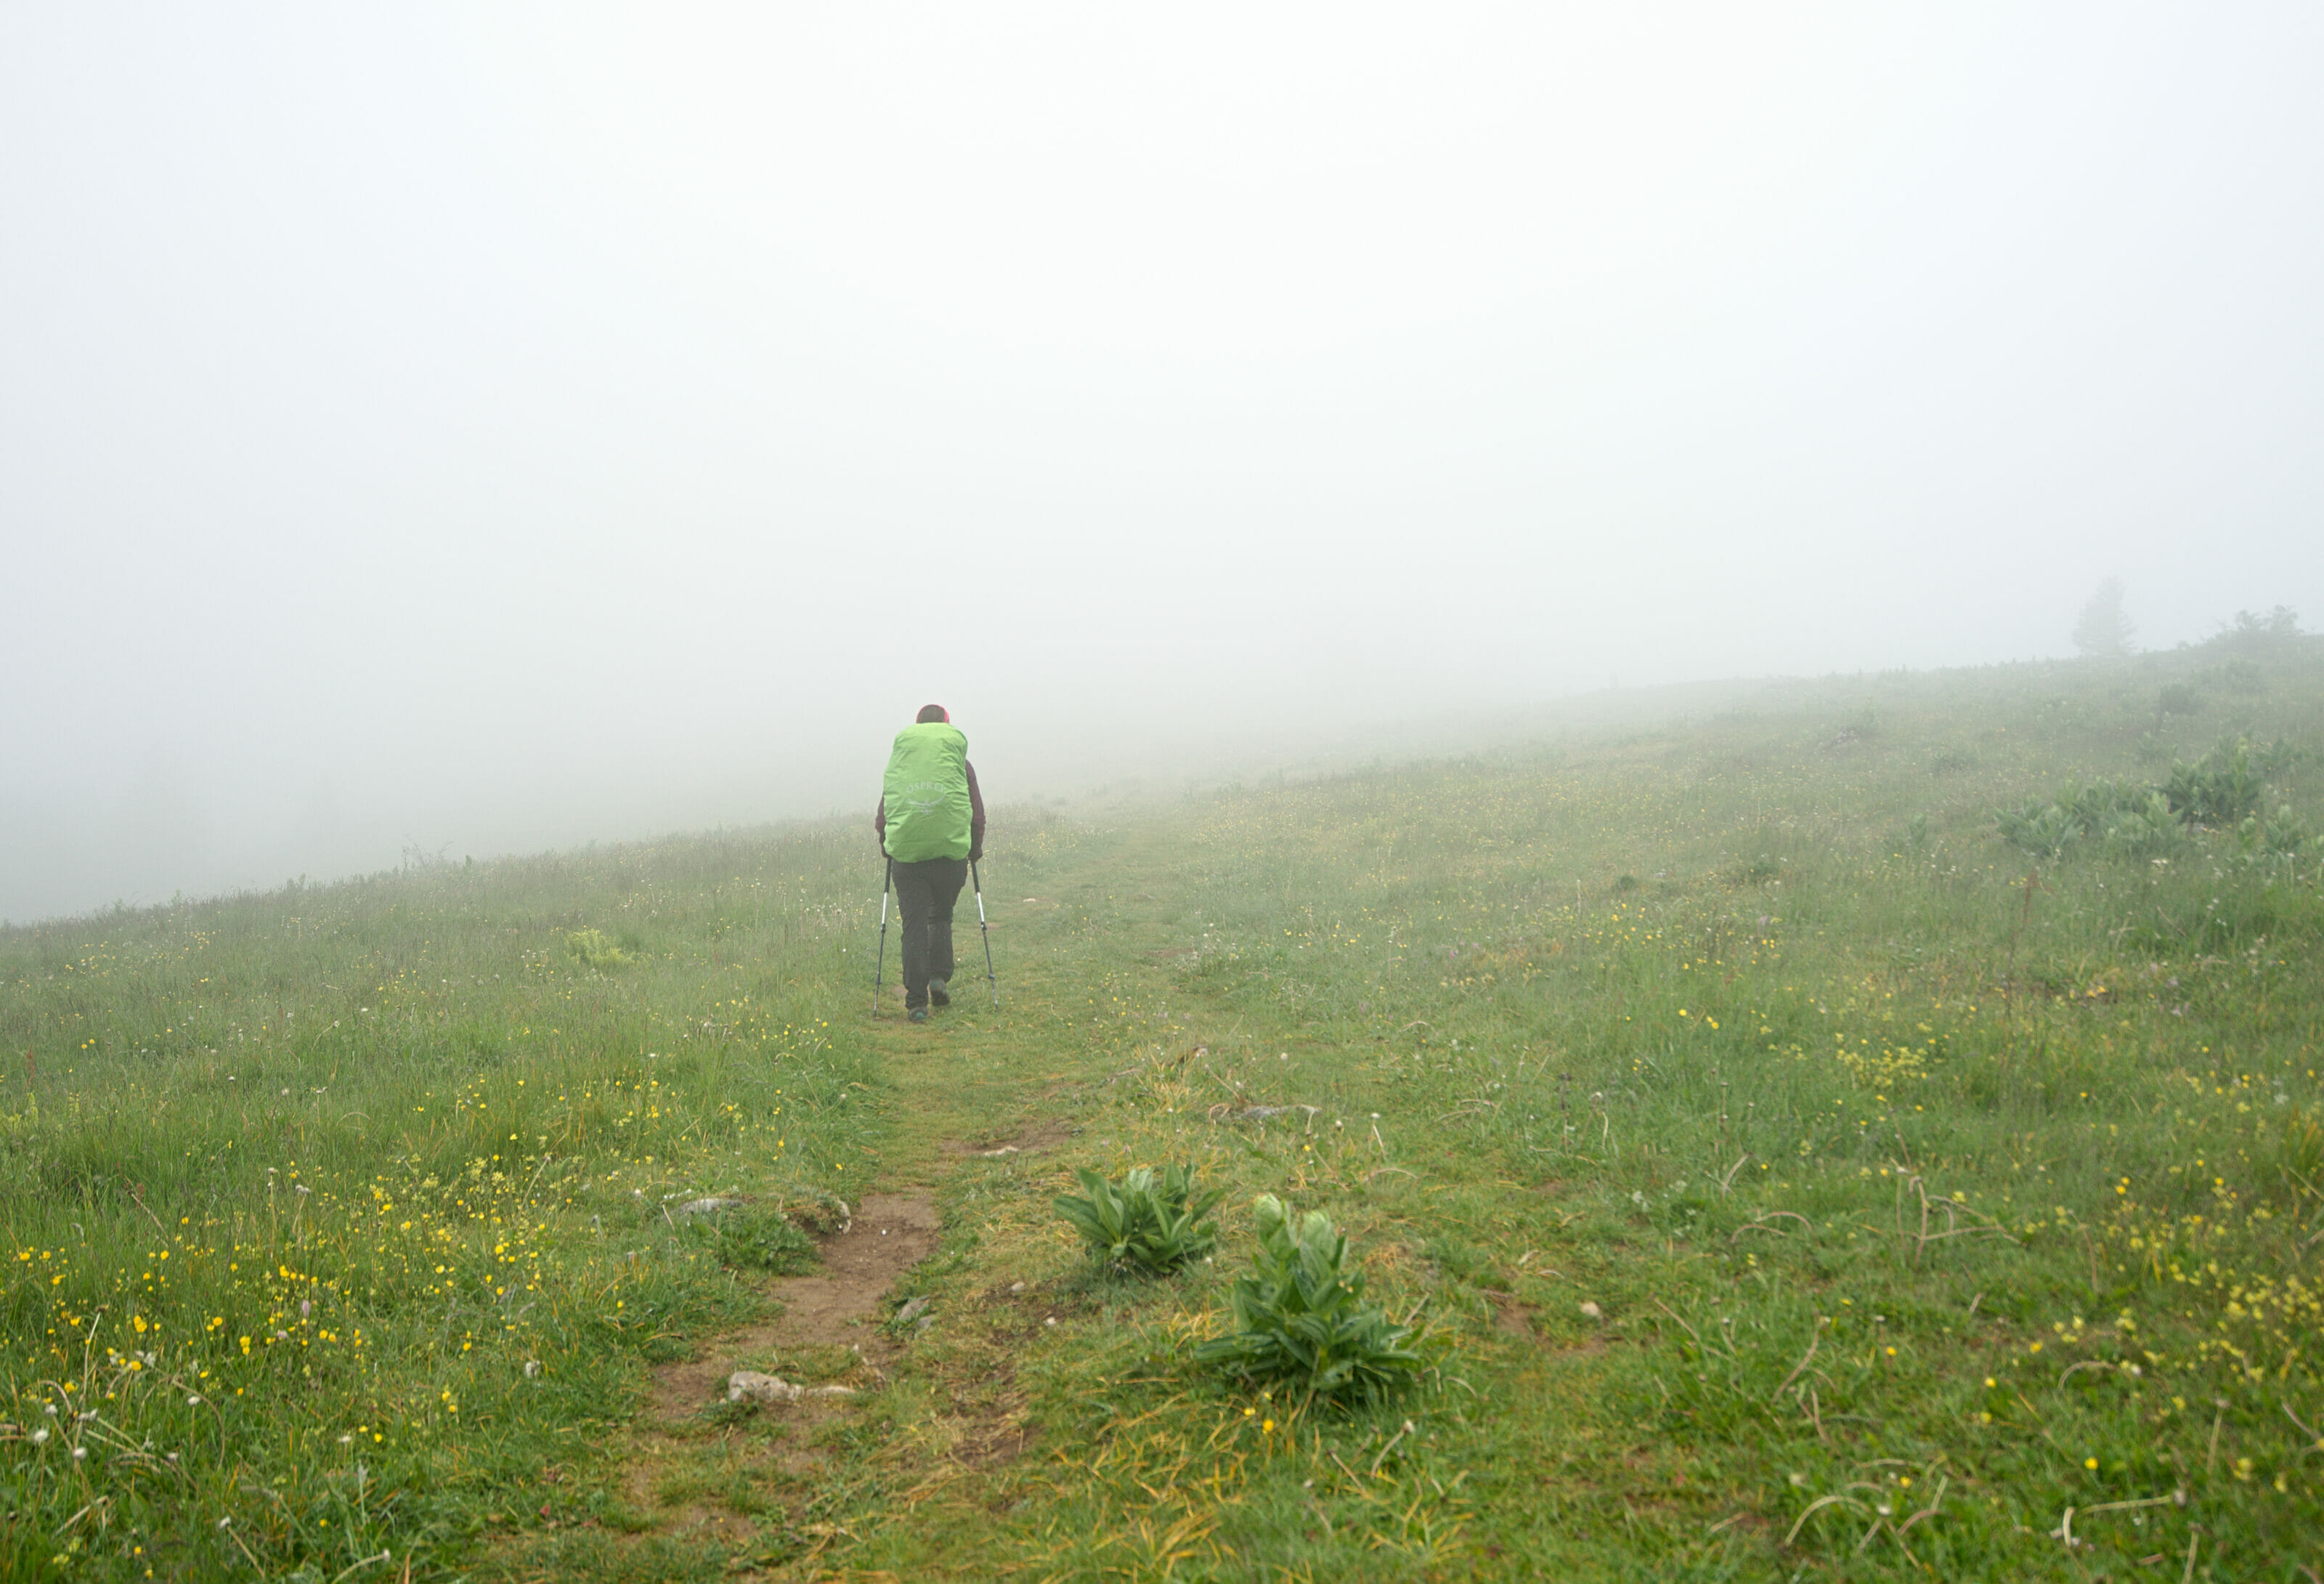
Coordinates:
(927, 792)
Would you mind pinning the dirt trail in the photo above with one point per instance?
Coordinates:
(826, 1317)
(889, 1234)
(1045, 1137)
(828, 1333)
(834, 1307)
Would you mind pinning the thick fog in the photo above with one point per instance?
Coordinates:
(473, 428)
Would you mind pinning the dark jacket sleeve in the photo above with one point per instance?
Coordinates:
(975, 815)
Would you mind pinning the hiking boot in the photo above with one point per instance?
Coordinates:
(917, 1015)
(940, 993)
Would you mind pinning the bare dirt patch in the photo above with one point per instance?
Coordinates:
(1047, 1136)
(889, 1234)
(1512, 1317)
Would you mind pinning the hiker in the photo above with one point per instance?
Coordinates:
(931, 827)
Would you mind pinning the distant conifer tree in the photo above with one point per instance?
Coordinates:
(2104, 632)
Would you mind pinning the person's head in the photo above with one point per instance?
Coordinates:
(931, 713)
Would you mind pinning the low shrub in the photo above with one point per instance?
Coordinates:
(595, 948)
(2177, 699)
(2238, 676)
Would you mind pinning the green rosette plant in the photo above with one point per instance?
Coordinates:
(1144, 1222)
(1301, 1322)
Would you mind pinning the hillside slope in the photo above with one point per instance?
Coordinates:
(1781, 1169)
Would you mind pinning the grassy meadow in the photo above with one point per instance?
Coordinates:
(1786, 1175)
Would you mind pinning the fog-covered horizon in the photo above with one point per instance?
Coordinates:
(484, 429)
(164, 824)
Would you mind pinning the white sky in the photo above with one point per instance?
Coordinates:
(497, 426)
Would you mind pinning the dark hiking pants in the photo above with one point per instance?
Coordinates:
(924, 893)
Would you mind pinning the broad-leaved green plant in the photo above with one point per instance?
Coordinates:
(1301, 1321)
(1147, 1223)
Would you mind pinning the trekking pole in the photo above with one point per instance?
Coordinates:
(887, 878)
(986, 930)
